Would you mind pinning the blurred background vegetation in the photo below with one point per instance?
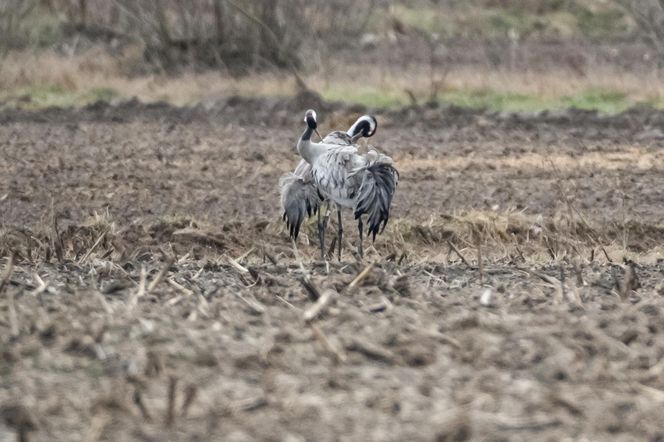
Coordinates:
(505, 55)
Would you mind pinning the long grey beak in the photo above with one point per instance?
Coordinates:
(356, 137)
(317, 133)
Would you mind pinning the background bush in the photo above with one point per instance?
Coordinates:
(238, 35)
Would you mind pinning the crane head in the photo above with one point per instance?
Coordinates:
(365, 126)
(310, 119)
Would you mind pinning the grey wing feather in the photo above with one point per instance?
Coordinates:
(299, 197)
(379, 182)
(338, 137)
(304, 170)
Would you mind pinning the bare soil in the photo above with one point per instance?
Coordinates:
(155, 294)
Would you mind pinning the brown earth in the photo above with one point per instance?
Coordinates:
(149, 257)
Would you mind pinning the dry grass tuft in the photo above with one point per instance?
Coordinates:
(516, 237)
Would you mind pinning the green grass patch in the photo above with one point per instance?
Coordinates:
(604, 101)
(102, 93)
(43, 96)
(496, 101)
(366, 96)
(601, 100)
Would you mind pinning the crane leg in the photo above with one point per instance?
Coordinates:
(322, 225)
(341, 231)
(360, 227)
(321, 235)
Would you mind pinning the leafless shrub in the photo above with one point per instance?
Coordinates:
(234, 35)
(339, 21)
(649, 16)
(12, 21)
(238, 36)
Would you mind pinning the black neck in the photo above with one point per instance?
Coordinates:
(306, 136)
(362, 128)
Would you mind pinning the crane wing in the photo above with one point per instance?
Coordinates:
(299, 197)
(379, 182)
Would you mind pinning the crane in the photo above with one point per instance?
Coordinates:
(299, 196)
(333, 170)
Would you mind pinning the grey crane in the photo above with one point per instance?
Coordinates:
(340, 174)
(299, 193)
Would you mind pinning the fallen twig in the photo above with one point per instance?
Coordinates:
(339, 355)
(142, 283)
(606, 255)
(298, 258)
(248, 404)
(56, 240)
(555, 283)
(321, 304)
(656, 394)
(97, 425)
(458, 253)
(13, 316)
(363, 274)
(629, 283)
(448, 340)
(271, 258)
(170, 408)
(179, 287)
(8, 272)
(42, 285)
(281, 299)
(190, 393)
(201, 236)
(137, 398)
(371, 351)
(245, 254)
(92, 249)
(255, 306)
(240, 268)
(480, 264)
(311, 289)
(157, 279)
